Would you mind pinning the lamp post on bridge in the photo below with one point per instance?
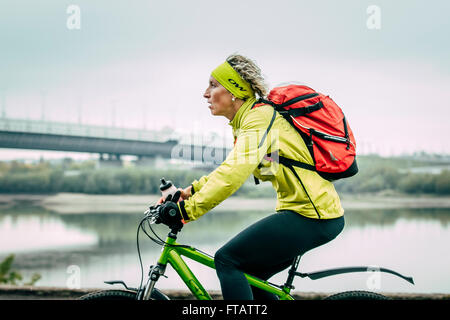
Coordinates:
(3, 105)
(43, 94)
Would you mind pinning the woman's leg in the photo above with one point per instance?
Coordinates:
(268, 247)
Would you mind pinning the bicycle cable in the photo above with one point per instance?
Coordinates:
(161, 241)
(139, 255)
(158, 241)
(141, 226)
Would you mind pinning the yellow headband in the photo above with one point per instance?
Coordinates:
(232, 81)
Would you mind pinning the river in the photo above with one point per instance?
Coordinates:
(83, 250)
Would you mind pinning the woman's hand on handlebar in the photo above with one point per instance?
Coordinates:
(185, 194)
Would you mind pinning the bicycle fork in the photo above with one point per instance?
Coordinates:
(171, 254)
(153, 276)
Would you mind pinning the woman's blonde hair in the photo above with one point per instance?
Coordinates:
(250, 72)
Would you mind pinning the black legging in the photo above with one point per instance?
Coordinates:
(268, 247)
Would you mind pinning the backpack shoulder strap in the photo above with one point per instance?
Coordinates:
(264, 137)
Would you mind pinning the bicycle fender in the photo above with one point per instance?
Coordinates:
(332, 272)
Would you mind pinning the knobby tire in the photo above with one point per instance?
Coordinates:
(121, 295)
(357, 295)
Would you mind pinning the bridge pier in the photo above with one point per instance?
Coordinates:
(110, 161)
(157, 162)
(145, 161)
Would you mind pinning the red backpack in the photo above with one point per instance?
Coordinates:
(322, 125)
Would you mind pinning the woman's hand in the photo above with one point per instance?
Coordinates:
(185, 194)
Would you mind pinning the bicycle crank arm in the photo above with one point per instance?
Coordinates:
(331, 272)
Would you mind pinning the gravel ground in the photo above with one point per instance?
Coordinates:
(51, 293)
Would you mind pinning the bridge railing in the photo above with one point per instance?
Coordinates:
(73, 129)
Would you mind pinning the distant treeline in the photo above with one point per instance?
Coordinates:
(84, 177)
(387, 178)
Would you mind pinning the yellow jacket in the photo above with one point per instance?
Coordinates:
(311, 196)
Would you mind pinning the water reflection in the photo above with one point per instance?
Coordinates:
(28, 229)
(32, 233)
(388, 217)
(104, 246)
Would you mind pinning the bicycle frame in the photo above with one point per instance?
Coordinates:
(172, 254)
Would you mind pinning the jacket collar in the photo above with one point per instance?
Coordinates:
(236, 122)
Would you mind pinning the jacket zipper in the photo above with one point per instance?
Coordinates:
(296, 175)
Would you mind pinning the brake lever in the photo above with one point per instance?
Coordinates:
(152, 213)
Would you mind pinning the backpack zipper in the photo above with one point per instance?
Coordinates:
(297, 99)
(287, 103)
(325, 136)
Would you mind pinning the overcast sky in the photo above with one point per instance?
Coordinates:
(146, 64)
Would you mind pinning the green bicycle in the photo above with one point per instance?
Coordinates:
(173, 252)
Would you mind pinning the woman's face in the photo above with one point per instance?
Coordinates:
(219, 99)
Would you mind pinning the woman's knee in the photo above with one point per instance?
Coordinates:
(223, 258)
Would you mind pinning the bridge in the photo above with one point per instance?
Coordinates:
(110, 141)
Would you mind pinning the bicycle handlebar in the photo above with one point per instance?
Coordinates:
(152, 213)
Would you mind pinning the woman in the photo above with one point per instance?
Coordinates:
(306, 216)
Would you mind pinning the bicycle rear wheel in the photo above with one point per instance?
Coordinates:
(121, 295)
(357, 295)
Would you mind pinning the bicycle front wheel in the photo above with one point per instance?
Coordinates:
(121, 295)
(357, 295)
